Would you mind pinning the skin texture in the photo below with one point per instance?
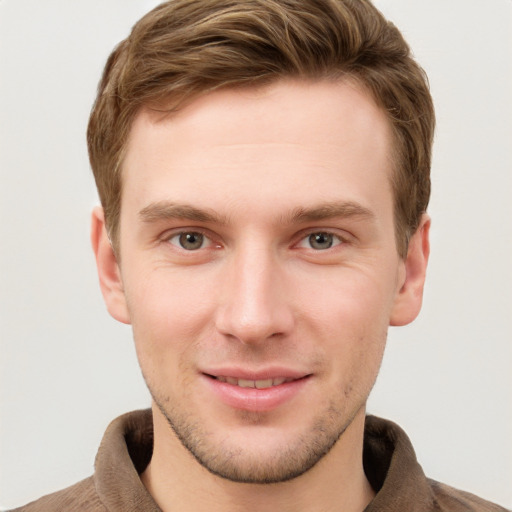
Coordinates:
(257, 238)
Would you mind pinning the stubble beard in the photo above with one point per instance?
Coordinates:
(236, 465)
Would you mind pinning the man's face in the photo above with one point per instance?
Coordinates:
(259, 270)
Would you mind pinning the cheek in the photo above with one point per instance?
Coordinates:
(349, 314)
(169, 298)
(168, 313)
(347, 298)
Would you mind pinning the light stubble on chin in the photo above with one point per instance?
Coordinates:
(236, 465)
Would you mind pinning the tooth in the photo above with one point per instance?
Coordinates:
(243, 383)
(258, 384)
(262, 384)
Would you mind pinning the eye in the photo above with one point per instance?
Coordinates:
(320, 241)
(190, 240)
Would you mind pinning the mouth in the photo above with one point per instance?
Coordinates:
(256, 391)
(248, 383)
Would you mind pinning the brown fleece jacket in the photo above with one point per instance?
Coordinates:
(389, 462)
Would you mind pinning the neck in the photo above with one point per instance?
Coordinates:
(337, 482)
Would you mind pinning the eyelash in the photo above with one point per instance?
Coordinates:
(206, 239)
(334, 238)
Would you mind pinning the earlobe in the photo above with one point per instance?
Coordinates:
(108, 269)
(409, 298)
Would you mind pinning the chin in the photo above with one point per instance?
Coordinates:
(257, 453)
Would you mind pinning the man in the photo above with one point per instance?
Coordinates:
(263, 168)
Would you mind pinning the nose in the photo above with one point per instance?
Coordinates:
(254, 305)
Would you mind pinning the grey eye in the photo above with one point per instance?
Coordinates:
(190, 240)
(321, 241)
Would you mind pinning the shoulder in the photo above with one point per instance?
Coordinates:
(393, 470)
(447, 498)
(81, 496)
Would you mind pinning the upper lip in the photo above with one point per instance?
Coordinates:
(260, 374)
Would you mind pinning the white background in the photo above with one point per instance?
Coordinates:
(67, 368)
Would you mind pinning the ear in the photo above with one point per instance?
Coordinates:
(109, 273)
(408, 301)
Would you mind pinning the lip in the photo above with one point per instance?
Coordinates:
(260, 374)
(254, 399)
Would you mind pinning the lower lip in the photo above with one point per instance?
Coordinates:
(253, 399)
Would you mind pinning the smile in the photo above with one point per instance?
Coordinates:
(258, 393)
(257, 384)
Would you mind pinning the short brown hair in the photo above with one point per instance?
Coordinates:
(184, 48)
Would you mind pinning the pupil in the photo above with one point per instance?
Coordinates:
(320, 240)
(191, 241)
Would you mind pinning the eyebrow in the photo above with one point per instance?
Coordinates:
(343, 209)
(166, 210)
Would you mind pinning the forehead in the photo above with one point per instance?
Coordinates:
(309, 138)
(283, 108)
